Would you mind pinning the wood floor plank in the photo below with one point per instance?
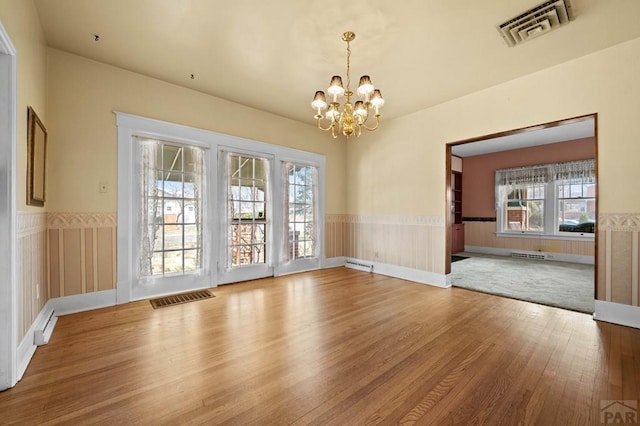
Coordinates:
(334, 346)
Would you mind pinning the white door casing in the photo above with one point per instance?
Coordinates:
(8, 213)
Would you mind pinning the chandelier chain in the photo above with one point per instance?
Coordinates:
(348, 72)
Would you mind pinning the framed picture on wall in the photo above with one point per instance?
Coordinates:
(36, 159)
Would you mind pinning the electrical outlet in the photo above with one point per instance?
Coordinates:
(103, 187)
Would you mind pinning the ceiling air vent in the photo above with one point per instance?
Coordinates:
(536, 21)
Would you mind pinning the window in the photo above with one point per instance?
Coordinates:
(247, 201)
(551, 199)
(525, 207)
(172, 178)
(195, 209)
(301, 210)
(576, 205)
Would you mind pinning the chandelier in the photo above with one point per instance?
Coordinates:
(352, 117)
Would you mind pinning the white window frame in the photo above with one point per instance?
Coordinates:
(128, 171)
(130, 286)
(551, 225)
(288, 265)
(556, 224)
(253, 271)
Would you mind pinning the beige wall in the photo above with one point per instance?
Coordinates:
(400, 170)
(82, 95)
(21, 21)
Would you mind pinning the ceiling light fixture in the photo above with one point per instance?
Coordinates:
(352, 118)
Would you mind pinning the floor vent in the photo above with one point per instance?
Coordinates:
(527, 255)
(536, 21)
(177, 299)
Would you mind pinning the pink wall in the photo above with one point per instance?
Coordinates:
(478, 172)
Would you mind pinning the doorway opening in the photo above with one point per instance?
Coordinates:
(519, 225)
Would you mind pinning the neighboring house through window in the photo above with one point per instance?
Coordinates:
(171, 178)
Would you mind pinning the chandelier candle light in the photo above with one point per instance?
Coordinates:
(352, 118)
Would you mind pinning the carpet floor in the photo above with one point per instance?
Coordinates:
(560, 284)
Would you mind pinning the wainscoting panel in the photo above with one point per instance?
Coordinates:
(618, 258)
(335, 231)
(414, 242)
(32, 268)
(482, 234)
(82, 253)
(64, 254)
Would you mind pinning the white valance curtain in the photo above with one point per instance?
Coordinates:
(575, 170)
(508, 179)
(545, 173)
(522, 175)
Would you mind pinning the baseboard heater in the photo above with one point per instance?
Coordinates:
(42, 334)
(529, 255)
(360, 266)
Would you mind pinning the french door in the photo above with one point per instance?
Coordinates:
(198, 208)
(247, 232)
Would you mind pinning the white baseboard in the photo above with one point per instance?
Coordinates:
(27, 346)
(554, 257)
(617, 313)
(26, 349)
(42, 327)
(422, 277)
(83, 302)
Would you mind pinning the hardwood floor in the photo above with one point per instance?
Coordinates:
(335, 346)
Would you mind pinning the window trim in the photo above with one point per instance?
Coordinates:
(130, 285)
(129, 125)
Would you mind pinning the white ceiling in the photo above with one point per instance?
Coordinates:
(528, 138)
(273, 55)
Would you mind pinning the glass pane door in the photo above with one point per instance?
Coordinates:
(301, 229)
(248, 222)
(171, 218)
(301, 209)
